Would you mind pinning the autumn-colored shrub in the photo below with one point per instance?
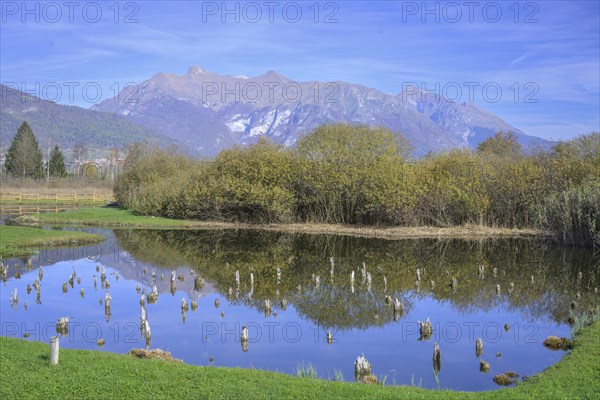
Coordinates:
(355, 174)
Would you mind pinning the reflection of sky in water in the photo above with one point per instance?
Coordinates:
(280, 342)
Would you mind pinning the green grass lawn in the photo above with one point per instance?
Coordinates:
(19, 240)
(26, 373)
(103, 216)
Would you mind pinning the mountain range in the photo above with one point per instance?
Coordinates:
(203, 112)
(208, 112)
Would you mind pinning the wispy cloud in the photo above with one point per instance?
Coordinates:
(373, 44)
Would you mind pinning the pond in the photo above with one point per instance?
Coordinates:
(523, 296)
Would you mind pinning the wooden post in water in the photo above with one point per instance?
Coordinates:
(54, 348)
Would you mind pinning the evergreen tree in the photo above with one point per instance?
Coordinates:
(57, 163)
(24, 157)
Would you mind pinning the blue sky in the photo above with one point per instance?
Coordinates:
(549, 49)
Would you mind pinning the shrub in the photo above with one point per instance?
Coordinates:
(573, 214)
(362, 175)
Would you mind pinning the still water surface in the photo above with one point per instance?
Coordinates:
(311, 298)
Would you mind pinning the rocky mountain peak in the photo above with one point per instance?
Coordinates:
(272, 76)
(196, 70)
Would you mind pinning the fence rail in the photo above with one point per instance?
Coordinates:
(22, 210)
(29, 203)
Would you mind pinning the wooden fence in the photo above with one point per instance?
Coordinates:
(30, 203)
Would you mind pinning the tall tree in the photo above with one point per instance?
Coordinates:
(344, 168)
(79, 150)
(57, 163)
(24, 157)
(137, 151)
(501, 145)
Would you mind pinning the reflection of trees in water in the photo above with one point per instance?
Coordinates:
(217, 255)
(334, 306)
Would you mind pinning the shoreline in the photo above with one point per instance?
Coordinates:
(117, 218)
(574, 376)
(22, 241)
(383, 232)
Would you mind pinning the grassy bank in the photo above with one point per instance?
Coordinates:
(106, 375)
(18, 240)
(103, 217)
(112, 217)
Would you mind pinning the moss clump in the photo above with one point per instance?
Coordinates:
(556, 343)
(484, 366)
(153, 354)
(369, 379)
(507, 378)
